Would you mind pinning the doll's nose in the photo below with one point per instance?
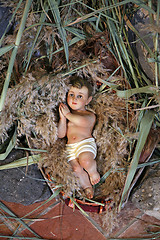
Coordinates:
(74, 98)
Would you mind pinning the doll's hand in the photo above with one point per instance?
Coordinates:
(64, 109)
(60, 112)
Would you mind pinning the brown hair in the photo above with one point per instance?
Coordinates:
(79, 82)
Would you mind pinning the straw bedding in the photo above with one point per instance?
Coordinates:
(33, 107)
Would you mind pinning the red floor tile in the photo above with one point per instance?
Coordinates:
(131, 223)
(145, 226)
(57, 222)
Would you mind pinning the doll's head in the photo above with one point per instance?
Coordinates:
(79, 94)
(79, 82)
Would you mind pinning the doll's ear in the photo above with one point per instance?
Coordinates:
(89, 100)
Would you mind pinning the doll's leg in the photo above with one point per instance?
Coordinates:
(83, 178)
(86, 161)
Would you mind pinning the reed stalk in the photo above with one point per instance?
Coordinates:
(14, 53)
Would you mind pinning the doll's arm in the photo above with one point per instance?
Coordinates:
(62, 125)
(77, 119)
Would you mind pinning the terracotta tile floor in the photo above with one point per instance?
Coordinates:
(55, 220)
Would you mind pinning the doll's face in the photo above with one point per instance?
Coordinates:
(77, 98)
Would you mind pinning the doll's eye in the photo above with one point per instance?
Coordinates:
(71, 94)
(79, 96)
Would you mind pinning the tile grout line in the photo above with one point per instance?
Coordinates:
(94, 223)
(130, 224)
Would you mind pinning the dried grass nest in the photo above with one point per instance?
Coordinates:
(33, 106)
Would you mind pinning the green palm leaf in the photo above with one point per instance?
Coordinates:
(56, 14)
(145, 126)
(6, 49)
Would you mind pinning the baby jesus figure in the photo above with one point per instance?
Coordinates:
(77, 124)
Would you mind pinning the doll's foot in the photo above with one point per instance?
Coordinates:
(89, 192)
(95, 178)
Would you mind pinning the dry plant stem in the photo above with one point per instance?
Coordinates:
(50, 185)
(42, 20)
(136, 177)
(10, 22)
(14, 53)
(56, 14)
(8, 211)
(147, 120)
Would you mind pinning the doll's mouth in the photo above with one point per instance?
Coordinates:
(74, 103)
